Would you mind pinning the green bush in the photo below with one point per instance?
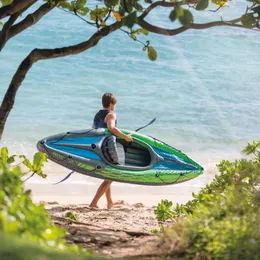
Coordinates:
(14, 248)
(35, 166)
(20, 216)
(223, 220)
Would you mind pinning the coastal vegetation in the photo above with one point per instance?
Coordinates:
(128, 16)
(223, 219)
(19, 215)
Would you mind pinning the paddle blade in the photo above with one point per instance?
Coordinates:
(64, 178)
(145, 125)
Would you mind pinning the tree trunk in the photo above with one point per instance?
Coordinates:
(8, 101)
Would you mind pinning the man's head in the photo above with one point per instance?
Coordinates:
(109, 101)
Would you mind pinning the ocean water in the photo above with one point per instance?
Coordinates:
(204, 89)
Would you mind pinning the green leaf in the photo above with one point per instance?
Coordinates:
(38, 160)
(127, 5)
(187, 18)
(80, 4)
(110, 3)
(10, 159)
(248, 20)
(6, 2)
(173, 15)
(130, 20)
(202, 5)
(83, 11)
(251, 148)
(138, 7)
(143, 31)
(179, 11)
(144, 48)
(65, 5)
(70, 215)
(1, 24)
(133, 37)
(121, 11)
(4, 154)
(26, 162)
(256, 10)
(152, 54)
(98, 13)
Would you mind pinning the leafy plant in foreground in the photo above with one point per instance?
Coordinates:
(243, 173)
(21, 217)
(163, 213)
(223, 220)
(15, 248)
(35, 167)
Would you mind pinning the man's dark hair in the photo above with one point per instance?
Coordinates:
(108, 99)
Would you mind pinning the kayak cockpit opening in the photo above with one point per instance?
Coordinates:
(119, 152)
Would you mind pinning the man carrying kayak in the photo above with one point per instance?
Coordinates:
(106, 118)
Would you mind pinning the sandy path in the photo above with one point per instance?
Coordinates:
(124, 232)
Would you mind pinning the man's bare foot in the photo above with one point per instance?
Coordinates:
(117, 204)
(93, 206)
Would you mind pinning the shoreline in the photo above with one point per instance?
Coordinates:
(80, 190)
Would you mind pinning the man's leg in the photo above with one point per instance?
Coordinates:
(109, 197)
(100, 192)
(110, 203)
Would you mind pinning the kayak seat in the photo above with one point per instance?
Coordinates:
(113, 151)
(118, 151)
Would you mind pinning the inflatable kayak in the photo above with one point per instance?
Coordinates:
(97, 153)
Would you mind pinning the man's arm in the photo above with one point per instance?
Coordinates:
(111, 125)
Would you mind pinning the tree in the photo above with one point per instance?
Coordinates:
(128, 16)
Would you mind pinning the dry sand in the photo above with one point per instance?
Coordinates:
(124, 232)
(116, 233)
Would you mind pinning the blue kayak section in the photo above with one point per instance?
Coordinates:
(173, 166)
(58, 144)
(176, 162)
(168, 155)
(76, 151)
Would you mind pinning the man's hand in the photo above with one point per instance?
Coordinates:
(128, 138)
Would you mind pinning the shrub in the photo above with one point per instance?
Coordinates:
(20, 216)
(16, 249)
(223, 220)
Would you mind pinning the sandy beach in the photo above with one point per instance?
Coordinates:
(118, 233)
(124, 232)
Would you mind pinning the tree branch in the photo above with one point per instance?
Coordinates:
(170, 32)
(43, 54)
(164, 4)
(15, 7)
(5, 33)
(30, 19)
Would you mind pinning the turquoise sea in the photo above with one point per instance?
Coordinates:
(204, 89)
